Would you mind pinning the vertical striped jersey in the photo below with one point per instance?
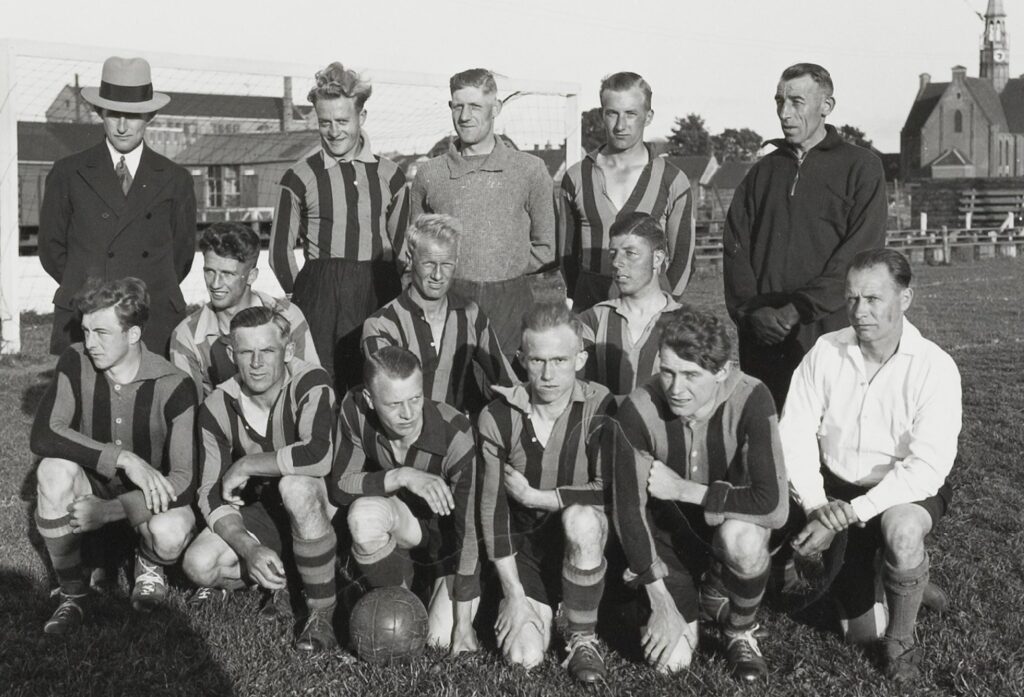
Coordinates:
(570, 463)
(299, 430)
(586, 213)
(87, 418)
(199, 348)
(337, 210)
(736, 452)
(445, 447)
(460, 371)
(614, 360)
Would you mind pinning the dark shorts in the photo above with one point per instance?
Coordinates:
(854, 587)
(682, 540)
(437, 553)
(268, 523)
(504, 303)
(540, 550)
(336, 296)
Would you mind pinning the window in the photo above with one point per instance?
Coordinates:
(222, 186)
(958, 122)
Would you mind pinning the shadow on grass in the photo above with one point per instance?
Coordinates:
(116, 652)
(33, 394)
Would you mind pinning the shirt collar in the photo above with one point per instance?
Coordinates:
(495, 161)
(153, 367)
(131, 158)
(615, 304)
(406, 301)
(830, 141)
(518, 396)
(592, 155)
(433, 437)
(364, 153)
(207, 325)
(722, 393)
(293, 370)
(911, 339)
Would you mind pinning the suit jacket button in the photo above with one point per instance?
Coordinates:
(110, 255)
(148, 216)
(145, 254)
(105, 215)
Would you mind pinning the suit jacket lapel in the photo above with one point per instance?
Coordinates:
(98, 173)
(150, 179)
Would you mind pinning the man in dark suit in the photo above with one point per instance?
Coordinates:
(119, 209)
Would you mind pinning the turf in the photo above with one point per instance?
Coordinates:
(974, 310)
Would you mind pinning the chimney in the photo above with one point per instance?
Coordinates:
(959, 73)
(287, 106)
(925, 78)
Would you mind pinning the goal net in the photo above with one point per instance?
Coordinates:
(236, 125)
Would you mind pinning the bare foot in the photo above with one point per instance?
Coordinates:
(91, 512)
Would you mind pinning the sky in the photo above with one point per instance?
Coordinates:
(718, 58)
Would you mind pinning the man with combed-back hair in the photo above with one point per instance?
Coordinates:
(870, 436)
(200, 345)
(699, 485)
(452, 337)
(618, 179)
(115, 433)
(503, 199)
(265, 447)
(620, 333)
(799, 216)
(544, 446)
(405, 467)
(344, 206)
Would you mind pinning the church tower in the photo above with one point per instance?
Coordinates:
(995, 46)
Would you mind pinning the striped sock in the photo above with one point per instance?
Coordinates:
(315, 560)
(388, 566)
(65, 549)
(581, 594)
(744, 596)
(904, 589)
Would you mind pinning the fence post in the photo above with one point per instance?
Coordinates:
(947, 257)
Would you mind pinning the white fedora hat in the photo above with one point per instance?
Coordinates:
(126, 86)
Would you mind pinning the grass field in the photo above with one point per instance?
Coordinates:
(973, 310)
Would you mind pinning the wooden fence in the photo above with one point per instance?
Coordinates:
(938, 246)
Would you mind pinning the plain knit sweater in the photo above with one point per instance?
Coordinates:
(505, 202)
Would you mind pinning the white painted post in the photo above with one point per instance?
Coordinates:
(573, 120)
(10, 311)
(924, 222)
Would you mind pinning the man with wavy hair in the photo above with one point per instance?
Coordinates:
(115, 433)
(342, 204)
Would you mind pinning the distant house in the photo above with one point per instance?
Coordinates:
(969, 126)
(39, 146)
(236, 176)
(724, 183)
(699, 169)
(190, 115)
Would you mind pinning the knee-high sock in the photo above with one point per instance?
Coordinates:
(315, 560)
(744, 595)
(65, 550)
(581, 592)
(388, 566)
(904, 589)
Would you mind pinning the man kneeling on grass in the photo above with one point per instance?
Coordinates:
(543, 496)
(115, 431)
(406, 467)
(699, 485)
(870, 433)
(265, 446)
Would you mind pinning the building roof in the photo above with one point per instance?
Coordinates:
(951, 158)
(693, 166)
(1012, 98)
(49, 142)
(988, 99)
(924, 105)
(248, 148)
(730, 174)
(224, 106)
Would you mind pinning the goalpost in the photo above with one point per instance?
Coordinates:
(236, 125)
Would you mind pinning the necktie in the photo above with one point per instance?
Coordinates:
(124, 175)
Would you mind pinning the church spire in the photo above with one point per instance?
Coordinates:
(995, 46)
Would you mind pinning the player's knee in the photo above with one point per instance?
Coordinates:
(298, 492)
(744, 545)
(585, 526)
(201, 564)
(369, 521)
(167, 536)
(678, 660)
(55, 478)
(524, 652)
(904, 538)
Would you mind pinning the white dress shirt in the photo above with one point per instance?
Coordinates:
(896, 433)
(131, 158)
